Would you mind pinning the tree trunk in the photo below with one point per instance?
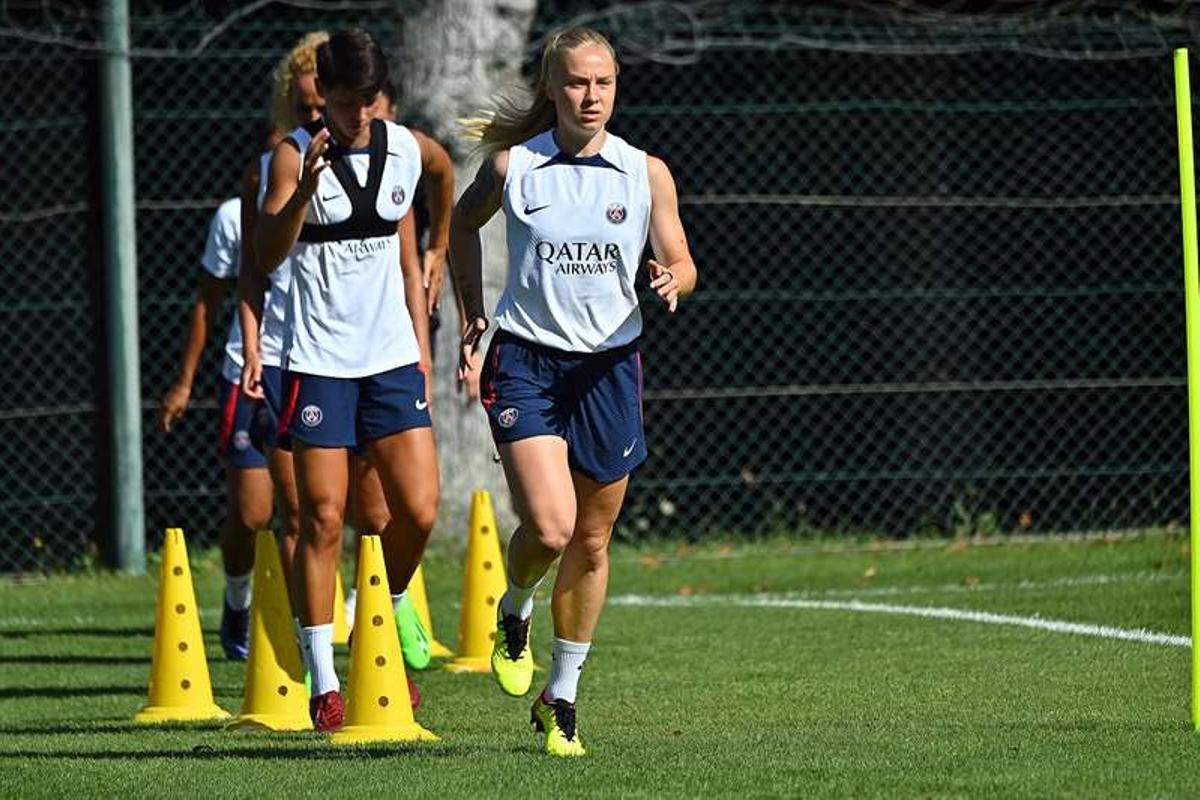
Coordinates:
(456, 54)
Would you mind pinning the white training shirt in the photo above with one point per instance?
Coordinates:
(347, 316)
(222, 258)
(275, 303)
(576, 231)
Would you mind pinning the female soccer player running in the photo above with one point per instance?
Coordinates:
(562, 378)
(295, 102)
(357, 334)
(248, 485)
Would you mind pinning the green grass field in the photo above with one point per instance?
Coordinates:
(690, 691)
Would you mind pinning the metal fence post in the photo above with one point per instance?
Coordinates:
(128, 522)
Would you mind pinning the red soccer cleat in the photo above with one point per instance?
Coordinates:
(327, 712)
(414, 694)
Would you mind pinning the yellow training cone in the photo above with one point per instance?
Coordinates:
(275, 698)
(378, 709)
(483, 586)
(180, 689)
(341, 631)
(420, 601)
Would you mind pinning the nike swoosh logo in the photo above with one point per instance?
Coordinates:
(529, 210)
(422, 405)
(629, 449)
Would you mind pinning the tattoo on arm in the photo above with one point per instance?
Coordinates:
(478, 202)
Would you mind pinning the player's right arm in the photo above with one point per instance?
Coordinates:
(209, 293)
(292, 183)
(477, 204)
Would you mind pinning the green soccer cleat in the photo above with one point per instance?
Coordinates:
(557, 720)
(414, 639)
(512, 660)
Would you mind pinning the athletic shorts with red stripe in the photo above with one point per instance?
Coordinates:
(236, 412)
(592, 400)
(350, 412)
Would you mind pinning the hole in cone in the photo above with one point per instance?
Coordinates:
(380, 661)
(185, 683)
(484, 530)
(383, 701)
(492, 635)
(177, 571)
(183, 647)
(374, 580)
(491, 601)
(283, 691)
(376, 620)
(179, 609)
(487, 565)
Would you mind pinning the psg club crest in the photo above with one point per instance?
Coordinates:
(397, 195)
(311, 416)
(508, 418)
(615, 213)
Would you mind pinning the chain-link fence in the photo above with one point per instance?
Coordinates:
(940, 283)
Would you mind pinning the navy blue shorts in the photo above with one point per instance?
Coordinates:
(267, 412)
(349, 412)
(236, 412)
(592, 400)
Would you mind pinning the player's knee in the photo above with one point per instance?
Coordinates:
(327, 524)
(593, 547)
(554, 534)
(252, 517)
(424, 513)
(373, 522)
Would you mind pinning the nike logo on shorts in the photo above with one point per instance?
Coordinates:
(422, 405)
(629, 449)
(529, 210)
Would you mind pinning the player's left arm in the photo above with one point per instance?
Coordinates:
(438, 172)
(672, 271)
(414, 296)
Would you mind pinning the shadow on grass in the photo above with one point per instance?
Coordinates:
(111, 632)
(18, 692)
(96, 726)
(318, 750)
(67, 658)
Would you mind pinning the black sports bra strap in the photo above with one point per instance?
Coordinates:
(364, 221)
(377, 159)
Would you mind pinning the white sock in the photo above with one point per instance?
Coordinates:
(518, 600)
(237, 590)
(568, 658)
(396, 598)
(317, 645)
(351, 604)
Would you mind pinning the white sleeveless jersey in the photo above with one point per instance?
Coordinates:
(275, 302)
(347, 317)
(222, 258)
(576, 231)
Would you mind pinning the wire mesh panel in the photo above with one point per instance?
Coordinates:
(48, 318)
(938, 253)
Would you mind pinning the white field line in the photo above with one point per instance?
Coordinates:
(928, 612)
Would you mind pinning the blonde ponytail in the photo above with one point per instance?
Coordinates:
(521, 114)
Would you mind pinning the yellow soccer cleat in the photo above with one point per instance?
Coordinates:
(512, 660)
(557, 720)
